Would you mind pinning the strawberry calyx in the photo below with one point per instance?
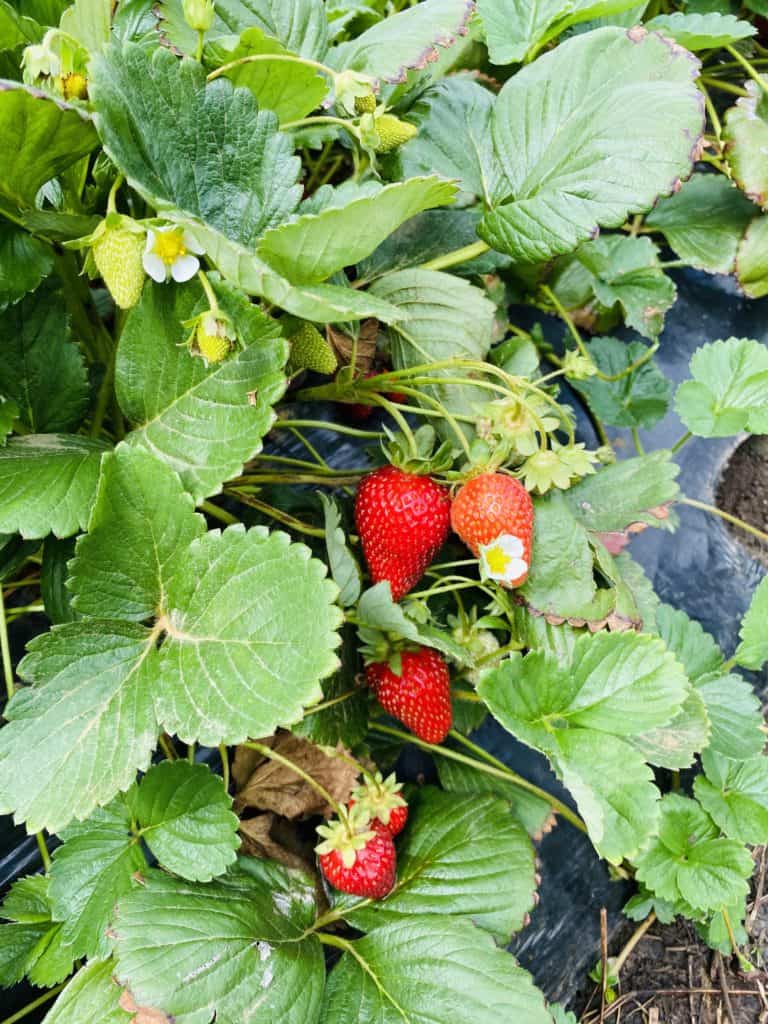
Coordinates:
(427, 458)
(379, 797)
(347, 835)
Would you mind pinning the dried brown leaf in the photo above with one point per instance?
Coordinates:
(366, 344)
(143, 1014)
(263, 837)
(274, 787)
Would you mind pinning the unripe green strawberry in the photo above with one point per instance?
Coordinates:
(365, 104)
(117, 254)
(310, 351)
(211, 339)
(392, 132)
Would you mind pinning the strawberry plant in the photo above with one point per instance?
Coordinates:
(305, 307)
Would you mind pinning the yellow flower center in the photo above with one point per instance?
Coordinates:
(169, 245)
(497, 560)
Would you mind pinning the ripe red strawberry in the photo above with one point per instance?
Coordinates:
(420, 697)
(493, 515)
(382, 802)
(360, 863)
(402, 520)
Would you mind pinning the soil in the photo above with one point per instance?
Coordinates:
(671, 977)
(743, 491)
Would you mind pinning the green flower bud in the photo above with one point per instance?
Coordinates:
(198, 14)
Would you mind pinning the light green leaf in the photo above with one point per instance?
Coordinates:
(196, 417)
(78, 735)
(746, 135)
(729, 386)
(376, 610)
(696, 649)
(571, 160)
(575, 710)
(735, 795)
(752, 652)
(454, 140)
(341, 561)
(752, 259)
(687, 861)
(91, 870)
(639, 399)
(186, 819)
(312, 248)
(289, 89)
(40, 368)
(92, 995)
(461, 856)
(630, 491)
(527, 808)
(201, 152)
(676, 744)
(516, 28)
(704, 221)
(625, 273)
(561, 580)
(48, 483)
(32, 944)
(16, 29)
(429, 969)
(230, 948)
(42, 137)
(251, 629)
(89, 22)
(701, 31)
(140, 528)
(411, 39)
(24, 262)
(447, 318)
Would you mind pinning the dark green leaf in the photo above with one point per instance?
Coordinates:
(92, 995)
(639, 399)
(24, 262)
(745, 134)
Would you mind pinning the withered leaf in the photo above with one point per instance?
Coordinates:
(259, 841)
(366, 344)
(143, 1014)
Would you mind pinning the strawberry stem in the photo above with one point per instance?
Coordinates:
(495, 768)
(273, 755)
(734, 520)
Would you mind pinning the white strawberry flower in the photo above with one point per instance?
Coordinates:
(503, 559)
(169, 254)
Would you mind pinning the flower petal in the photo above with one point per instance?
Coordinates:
(184, 268)
(155, 267)
(150, 240)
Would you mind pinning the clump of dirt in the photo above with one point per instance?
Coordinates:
(743, 491)
(672, 977)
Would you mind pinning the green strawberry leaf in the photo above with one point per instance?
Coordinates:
(688, 861)
(735, 795)
(728, 389)
(639, 399)
(77, 736)
(42, 370)
(582, 712)
(752, 652)
(344, 568)
(704, 222)
(53, 576)
(514, 28)
(701, 31)
(289, 89)
(186, 819)
(427, 969)
(140, 527)
(91, 995)
(631, 491)
(227, 946)
(676, 744)
(204, 421)
(89, 23)
(745, 134)
(732, 708)
(48, 483)
(410, 39)
(251, 629)
(377, 611)
(16, 29)
(447, 318)
(24, 262)
(625, 273)
(90, 871)
(31, 943)
(42, 137)
(309, 250)
(752, 259)
(564, 141)
(531, 811)
(454, 140)
(459, 856)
